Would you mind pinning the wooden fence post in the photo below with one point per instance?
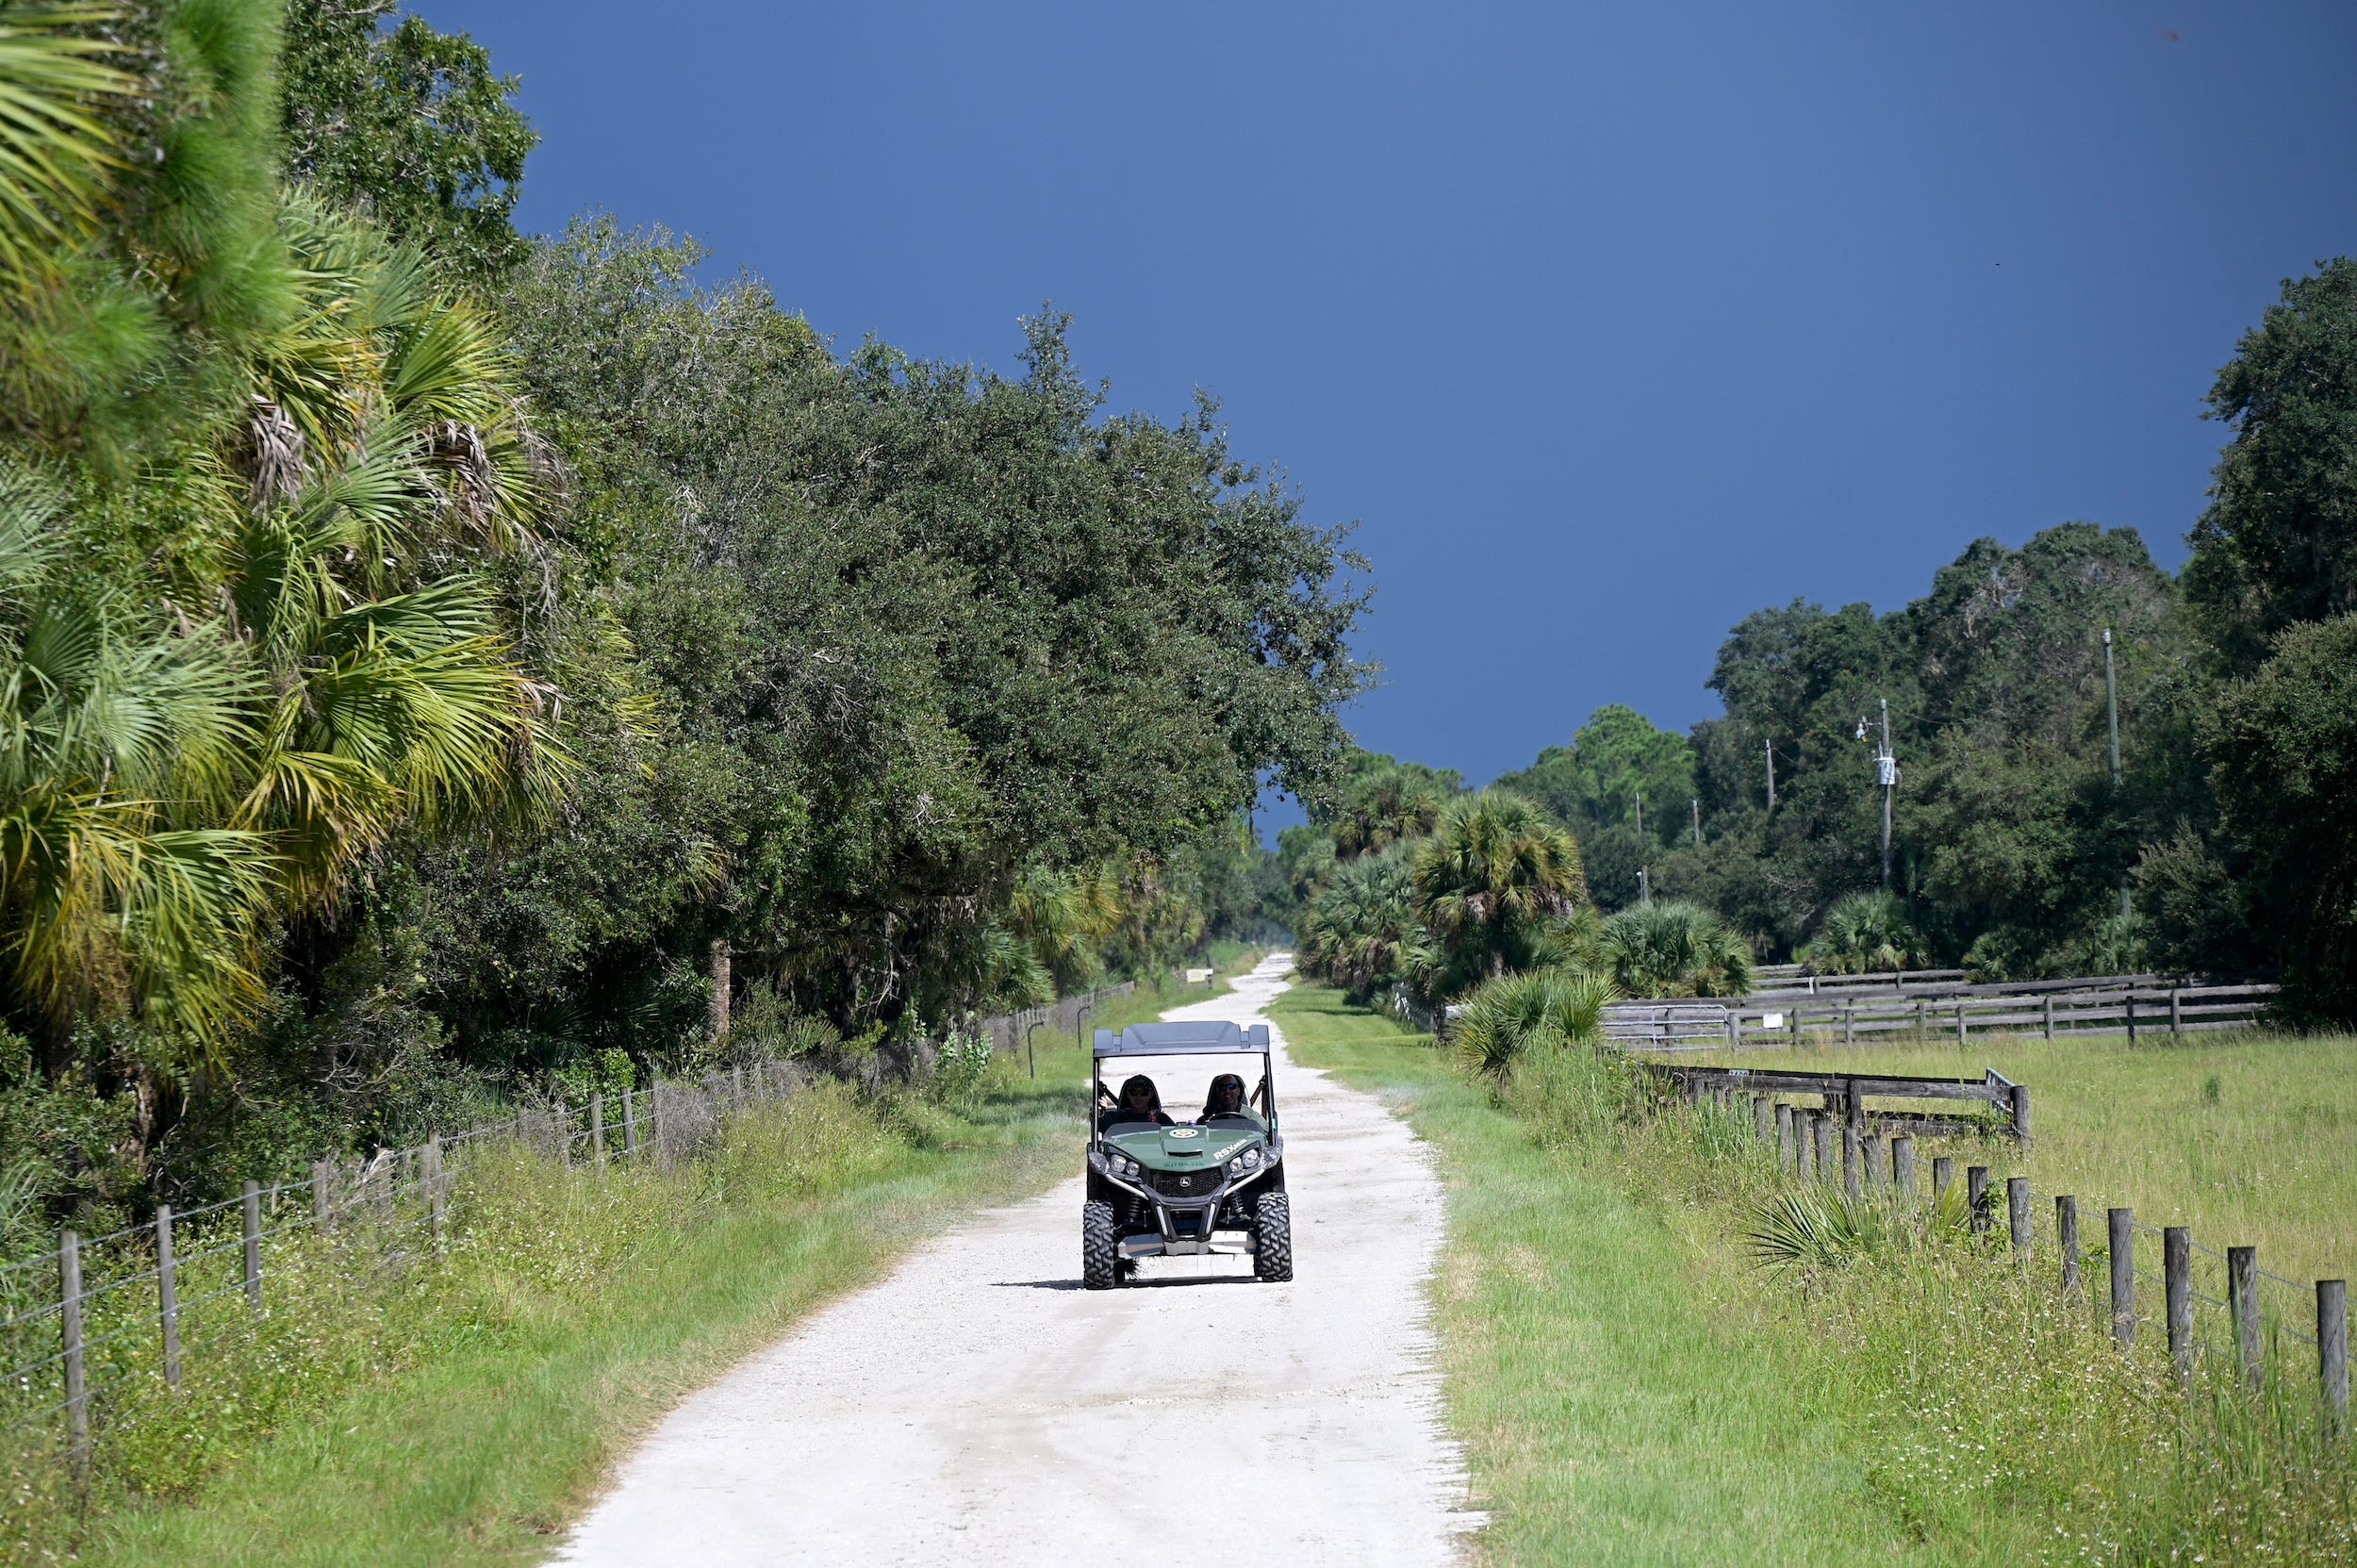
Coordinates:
(2050, 1016)
(434, 1200)
(630, 1126)
(1943, 1175)
(251, 1217)
(70, 1330)
(1804, 1150)
(1852, 1183)
(2022, 1115)
(1923, 1020)
(2177, 1294)
(2123, 1224)
(2067, 1240)
(168, 1294)
(2017, 1215)
(1903, 1166)
(1849, 1023)
(2132, 1015)
(1763, 1118)
(1792, 1020)
(2242, 1298)
(1959, 1020)
(1787, 1158)
(2176, 1012)
(1735, 1030)
(596, 1128)
(1976, 1197)
(2332, 1351)
(1871, 1152)
(1824, 1148)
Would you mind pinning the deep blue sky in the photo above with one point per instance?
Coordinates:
(1609, 325)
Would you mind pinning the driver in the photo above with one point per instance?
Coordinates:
(1225, 1099)
(1140, 1102)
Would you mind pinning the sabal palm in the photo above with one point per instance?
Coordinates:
(171, 781)
(1361, 930)
(1494, 871)
(1865, 933)
(1673, 949)
(1393, 807)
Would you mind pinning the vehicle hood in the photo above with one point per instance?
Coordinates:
(1184, 1147)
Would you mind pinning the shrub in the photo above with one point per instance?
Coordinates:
(1516, 1015)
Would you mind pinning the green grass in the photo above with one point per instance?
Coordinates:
(2249, 1139)
(1633, 1387)
(1615, 1402)
(469, 1415)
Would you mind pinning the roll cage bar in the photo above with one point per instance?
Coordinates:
(1179, 1039)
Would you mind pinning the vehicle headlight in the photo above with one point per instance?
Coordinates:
(1121, 1165)
(1248, 1161)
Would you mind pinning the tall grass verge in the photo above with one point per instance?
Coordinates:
(458, 1407)
(1890, 1368)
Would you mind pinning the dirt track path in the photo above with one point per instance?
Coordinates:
(977, 1404)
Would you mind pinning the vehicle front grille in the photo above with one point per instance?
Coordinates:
(1199, 1183)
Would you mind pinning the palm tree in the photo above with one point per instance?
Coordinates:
(1361, 932)
(1865, 933)
(194, 753)
(1391, 806)
(1494, 872)
(1673, 949)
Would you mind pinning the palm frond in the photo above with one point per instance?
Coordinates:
(57, 153)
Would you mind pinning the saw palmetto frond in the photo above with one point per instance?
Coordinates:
(57, 153)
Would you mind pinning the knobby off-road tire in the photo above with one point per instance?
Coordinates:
(1273, 1237)
(1101, 1254)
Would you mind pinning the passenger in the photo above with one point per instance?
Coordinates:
(1140, 1102)
(1226, 1099)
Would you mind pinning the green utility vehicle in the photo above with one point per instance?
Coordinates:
(1214, 1185)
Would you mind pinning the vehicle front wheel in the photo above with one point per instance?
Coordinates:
(1101, 1254)
(1273, 1237)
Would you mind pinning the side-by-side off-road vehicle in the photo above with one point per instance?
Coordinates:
(1215, 1186)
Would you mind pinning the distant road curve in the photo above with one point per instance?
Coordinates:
(976, 1404)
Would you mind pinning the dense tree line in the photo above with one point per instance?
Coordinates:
(427, 647)
(2226, 842)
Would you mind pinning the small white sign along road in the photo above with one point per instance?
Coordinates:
(978, 1405)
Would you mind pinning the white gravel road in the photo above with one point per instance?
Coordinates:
(978, 1405)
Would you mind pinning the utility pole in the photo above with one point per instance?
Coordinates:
(1887, 774)
(1643, 896)
(2111, 707)
(1698, 822)
(1771, 775)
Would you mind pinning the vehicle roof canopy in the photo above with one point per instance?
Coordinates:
(1182, 1039)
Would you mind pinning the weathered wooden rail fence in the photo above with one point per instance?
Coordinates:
(2051, 1008)
(2213, 1303)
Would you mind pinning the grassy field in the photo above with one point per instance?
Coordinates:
(1616, 1406)
(1634, 1386)
(2249, 1139)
